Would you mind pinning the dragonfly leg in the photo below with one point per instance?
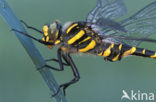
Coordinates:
(30, 27)
(75, 73)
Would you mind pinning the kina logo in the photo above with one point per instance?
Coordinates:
(137, 96)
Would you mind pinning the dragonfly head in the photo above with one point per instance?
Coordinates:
(52, 33)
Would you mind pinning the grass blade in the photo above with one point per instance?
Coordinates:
(8, 15)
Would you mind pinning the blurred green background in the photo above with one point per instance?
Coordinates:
(100, 81)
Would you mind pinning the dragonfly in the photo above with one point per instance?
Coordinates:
(100, 34)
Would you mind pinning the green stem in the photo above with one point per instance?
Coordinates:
(8, 15)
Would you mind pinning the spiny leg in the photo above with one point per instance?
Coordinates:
(30, 27)
(59, 53)
(66, 57)
(75, 73)
(70, 63)
(39, 40)
(56, 60)
(46, 43)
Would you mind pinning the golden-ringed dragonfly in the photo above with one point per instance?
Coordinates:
(100, 34)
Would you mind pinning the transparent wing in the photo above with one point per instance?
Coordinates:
(140, 25)
(107, 9)
(105, 24)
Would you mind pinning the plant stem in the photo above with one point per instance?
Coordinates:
(14, 23)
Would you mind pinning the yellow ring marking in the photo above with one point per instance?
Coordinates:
(71, 27)
(107, 52)
(153, 56)
(112, 45)
(91, 45)
(120, 47)
(115, 58)
(143, 51)
(130, 51)
(100, 54)
(76, 37)
(57, 41)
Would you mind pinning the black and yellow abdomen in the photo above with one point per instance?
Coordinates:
(145, 53)
(111, 51)
(131, 50)
(115, 52)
